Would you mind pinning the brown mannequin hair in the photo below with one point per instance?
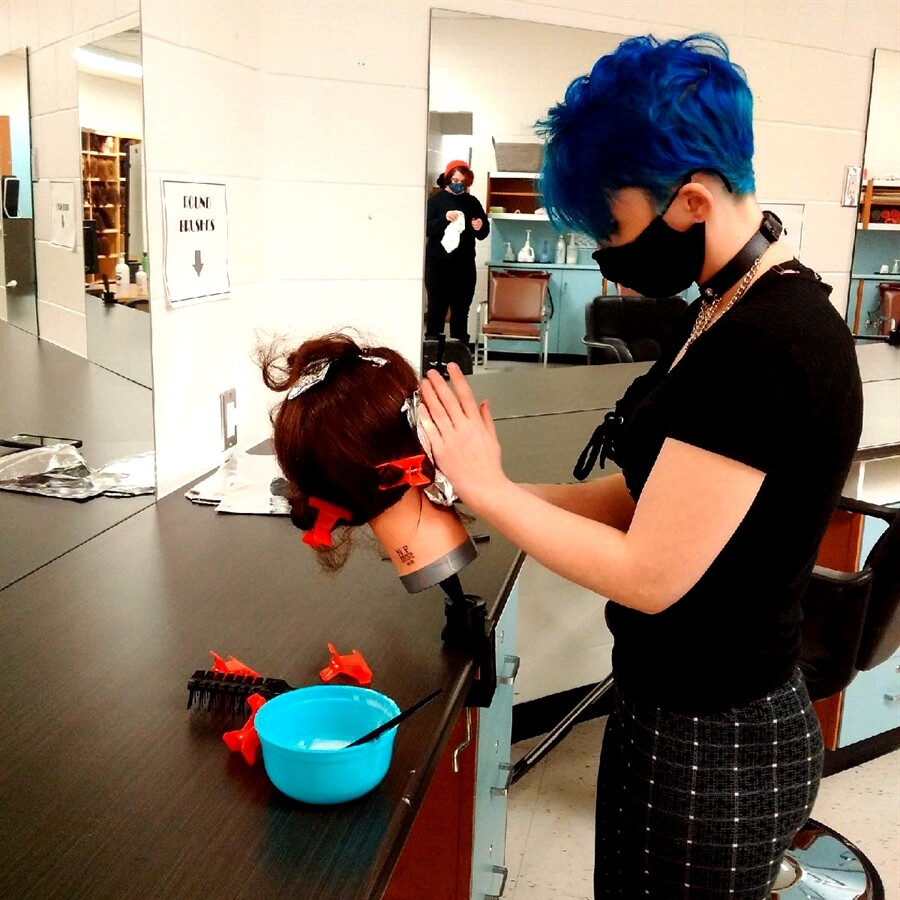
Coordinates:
(330, 438)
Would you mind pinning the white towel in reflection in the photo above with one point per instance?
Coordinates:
(454, 229)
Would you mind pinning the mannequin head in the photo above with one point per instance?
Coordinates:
(341, 437)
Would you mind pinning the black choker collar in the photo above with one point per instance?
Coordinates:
(741, 263)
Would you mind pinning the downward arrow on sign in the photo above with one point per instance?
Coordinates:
(198, 265)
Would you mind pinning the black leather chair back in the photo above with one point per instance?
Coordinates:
(627, 328)
(851, 620)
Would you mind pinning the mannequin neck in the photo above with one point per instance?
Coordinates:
(415, 533)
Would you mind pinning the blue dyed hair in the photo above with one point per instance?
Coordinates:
(645, 116)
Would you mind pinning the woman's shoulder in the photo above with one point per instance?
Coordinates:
(791, 295)
(791, 315)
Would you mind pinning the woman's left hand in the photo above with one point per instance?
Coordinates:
(476, 224)
(462, 435)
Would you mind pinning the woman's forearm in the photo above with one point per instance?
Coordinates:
(604, 499)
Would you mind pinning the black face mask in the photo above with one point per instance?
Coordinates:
(659, 262)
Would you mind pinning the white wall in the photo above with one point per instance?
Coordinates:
(314, 115)
(882, 158)
(110, 105)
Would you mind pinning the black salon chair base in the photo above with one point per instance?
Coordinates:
(851, 623)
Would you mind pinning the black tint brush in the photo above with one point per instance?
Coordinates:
(391, 723)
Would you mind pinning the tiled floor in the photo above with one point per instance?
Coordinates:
(549, 844)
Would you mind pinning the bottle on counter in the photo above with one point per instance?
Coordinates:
(545, 252)
(123, 273)
(140, 279)
(526, 254)
(508, 255)
(571, 252)
(560, 251)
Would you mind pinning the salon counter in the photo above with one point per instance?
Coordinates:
(538, 391)
(111, 783)
(48, 390)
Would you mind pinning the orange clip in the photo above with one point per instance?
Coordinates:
(411, 467)
(327, 516)
(231, 666)
(351, 664)
(246, 740)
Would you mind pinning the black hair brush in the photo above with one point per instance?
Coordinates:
(228, 692)
(229, 683)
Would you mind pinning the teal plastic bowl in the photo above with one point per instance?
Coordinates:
(304, 736)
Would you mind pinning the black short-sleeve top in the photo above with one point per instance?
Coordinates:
(774, 383)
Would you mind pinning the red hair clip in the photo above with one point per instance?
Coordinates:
(231, 666)
(245, 740)
(353, 665)
(411, 467)
(327, 516)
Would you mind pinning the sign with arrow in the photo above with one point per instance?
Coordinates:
(195, 230)
(62, 214)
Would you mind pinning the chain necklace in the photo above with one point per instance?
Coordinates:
(708, 310)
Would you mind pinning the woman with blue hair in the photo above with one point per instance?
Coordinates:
(733, 451)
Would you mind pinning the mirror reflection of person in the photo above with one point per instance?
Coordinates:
(733, 448)
(450, 275)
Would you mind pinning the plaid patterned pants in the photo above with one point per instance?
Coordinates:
(703, 807)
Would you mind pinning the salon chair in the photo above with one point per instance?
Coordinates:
(851, 623)
(628, 328)
(516, 310)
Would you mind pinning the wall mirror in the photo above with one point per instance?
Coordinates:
(874, 302)
(105, 401)
(497, 77)
(18, 291)
(110, 112)
(500, 72)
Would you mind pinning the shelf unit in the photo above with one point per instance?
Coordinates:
(516, 192)
(104, 164)
(879, 210)
(879, 206)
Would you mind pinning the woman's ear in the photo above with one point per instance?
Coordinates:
(693, 204)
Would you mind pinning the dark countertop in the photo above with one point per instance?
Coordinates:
(48, 390)
(111, 783)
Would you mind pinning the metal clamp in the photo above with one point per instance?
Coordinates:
(503, 791)
(509, 679)
(503, 872)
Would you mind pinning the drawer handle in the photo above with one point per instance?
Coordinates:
(503, 872)
(503, 791)
(892, 698)
(509, 679)
(465, 743)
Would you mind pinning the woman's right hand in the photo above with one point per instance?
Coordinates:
(452, 215)
(462, 435)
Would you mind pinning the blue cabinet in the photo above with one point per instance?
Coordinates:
(577, 288)
(493, 765)
(871, 703)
